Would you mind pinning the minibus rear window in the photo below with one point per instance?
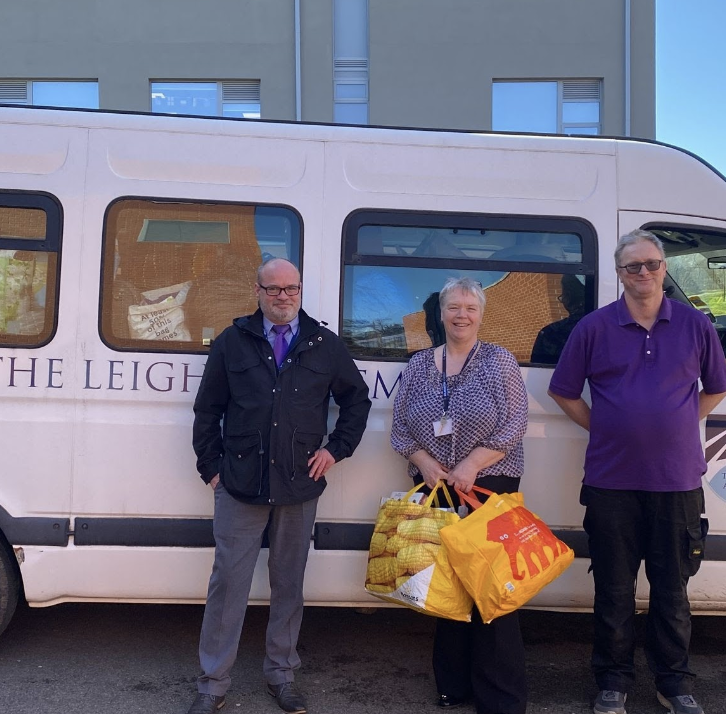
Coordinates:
(176, 273)
(30, 226)
(538, 275)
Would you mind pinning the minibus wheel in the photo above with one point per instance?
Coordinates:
(9, 583)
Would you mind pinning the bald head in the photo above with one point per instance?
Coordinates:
(272, 265)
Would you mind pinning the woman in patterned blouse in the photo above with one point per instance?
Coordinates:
(459, 416)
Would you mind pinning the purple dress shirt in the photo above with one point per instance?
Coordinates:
(289, 337)
(644, 432)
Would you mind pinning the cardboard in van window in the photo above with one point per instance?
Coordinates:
(161, 316)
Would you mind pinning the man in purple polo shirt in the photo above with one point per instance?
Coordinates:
(643, 357)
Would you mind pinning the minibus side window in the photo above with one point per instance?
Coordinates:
(176, 273)
(696, 270)
(538, 275)
(30, 235)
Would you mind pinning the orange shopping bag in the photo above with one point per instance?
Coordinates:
(503, 553)
(407, 563)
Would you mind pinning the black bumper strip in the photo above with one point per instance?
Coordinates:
(145, 532)
(357, 536)
(34, 530)
(148, 532)
(197, 533)
(342, 536)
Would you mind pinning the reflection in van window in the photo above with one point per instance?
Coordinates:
(551, 338)
(177, 273)
(393, 274)
(415, 241)
(696, 270)
(28, 274)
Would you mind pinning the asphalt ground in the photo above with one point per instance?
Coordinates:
(123, 659)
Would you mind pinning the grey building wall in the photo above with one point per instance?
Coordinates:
(431, 62)
(642, 74)
(316, 29)
(126, 44)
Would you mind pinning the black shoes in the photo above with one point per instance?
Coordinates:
(447, 702)
(206, 704)
(288, 698)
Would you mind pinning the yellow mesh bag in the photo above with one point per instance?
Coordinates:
(412, 568)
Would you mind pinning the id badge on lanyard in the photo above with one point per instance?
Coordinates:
(444, 426)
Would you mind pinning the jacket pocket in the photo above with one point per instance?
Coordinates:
(241, 378)
(695, 547)
(243, 454)
(311, 378)
(303, 447)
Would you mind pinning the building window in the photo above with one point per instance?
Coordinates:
(239, 99)
(30, 236)
(176, 273)
(74, 95)
(350, 62)
(538, 275)
(549, 107)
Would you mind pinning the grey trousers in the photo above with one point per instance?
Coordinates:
(238, 529)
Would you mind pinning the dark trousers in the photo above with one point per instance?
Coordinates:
(485, 661)
(666, 531)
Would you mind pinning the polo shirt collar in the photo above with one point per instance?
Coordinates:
(625, 318)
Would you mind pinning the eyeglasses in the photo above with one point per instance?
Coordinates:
(634, 268)
(274, 291)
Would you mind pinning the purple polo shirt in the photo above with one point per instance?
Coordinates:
(644, 431)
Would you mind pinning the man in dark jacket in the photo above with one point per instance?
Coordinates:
(261, 415)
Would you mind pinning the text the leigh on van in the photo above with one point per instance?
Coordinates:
(137, 375)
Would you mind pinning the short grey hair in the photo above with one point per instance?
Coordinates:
(269, 262)
(637, 236)
(468, 286)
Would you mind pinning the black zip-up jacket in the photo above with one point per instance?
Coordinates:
(257, 426)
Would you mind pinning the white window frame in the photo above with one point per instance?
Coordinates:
(570, 91)
(239, 91)
(20, 91)
(350, 65)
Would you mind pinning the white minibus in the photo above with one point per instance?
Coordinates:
(128, 242)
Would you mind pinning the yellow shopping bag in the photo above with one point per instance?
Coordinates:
(407, 563)
(503, 553)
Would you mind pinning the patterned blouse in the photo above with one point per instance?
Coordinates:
(488, 408)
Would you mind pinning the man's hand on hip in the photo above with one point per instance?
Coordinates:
(214, 481)
(319, 463)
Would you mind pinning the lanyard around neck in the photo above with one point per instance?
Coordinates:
(444, 385)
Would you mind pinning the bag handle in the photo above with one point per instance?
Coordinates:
(433, 496)
(467, 498)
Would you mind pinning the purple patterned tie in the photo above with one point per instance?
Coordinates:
(280, 347)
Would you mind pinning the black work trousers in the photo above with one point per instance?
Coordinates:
(484, 661)
(664, 529)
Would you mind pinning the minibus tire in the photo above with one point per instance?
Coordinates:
(9, 584)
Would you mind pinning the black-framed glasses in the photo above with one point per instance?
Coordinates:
(634, 268)
(274, 291)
